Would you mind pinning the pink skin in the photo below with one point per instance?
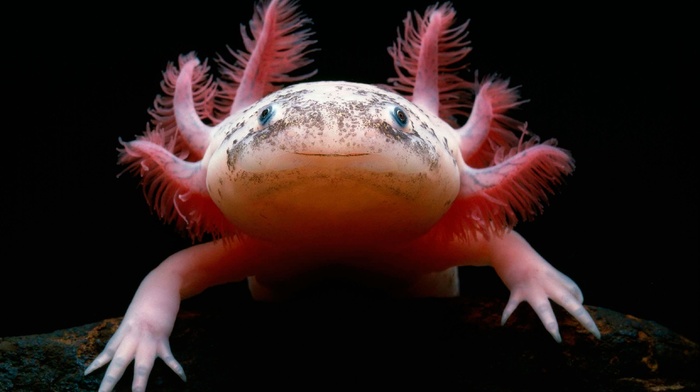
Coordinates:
(482, 178)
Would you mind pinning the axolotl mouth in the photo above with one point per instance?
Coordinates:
(332, 154)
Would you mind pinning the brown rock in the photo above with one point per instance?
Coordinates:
(430, 344)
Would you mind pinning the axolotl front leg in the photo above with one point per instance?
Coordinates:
(143, 334)
(528, 276)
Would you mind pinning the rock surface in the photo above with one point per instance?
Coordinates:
(428, 344)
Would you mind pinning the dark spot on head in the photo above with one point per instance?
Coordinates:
(386, 129)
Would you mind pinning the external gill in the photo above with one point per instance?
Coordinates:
(427, 59)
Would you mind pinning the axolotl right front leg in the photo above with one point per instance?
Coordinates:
(143, 334)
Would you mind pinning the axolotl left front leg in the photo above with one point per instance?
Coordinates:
(528, 276)
(143, 334)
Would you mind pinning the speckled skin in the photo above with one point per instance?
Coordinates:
(337, 180)
(326, 140)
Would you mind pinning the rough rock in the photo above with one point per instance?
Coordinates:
(427, 344)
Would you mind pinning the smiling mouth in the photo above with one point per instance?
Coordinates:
(359, 154)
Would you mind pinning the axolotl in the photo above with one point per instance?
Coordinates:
(280, 181)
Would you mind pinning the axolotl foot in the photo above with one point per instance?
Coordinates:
(140, 346)
(538, 290)
(530, 278)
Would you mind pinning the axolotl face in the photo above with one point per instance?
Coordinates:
(314, 157)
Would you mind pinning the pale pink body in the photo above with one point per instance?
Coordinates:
(306, 182)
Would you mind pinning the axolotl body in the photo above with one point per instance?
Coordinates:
(278, 183)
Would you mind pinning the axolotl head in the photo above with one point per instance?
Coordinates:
(331, 160)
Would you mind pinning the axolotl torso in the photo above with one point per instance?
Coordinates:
(336, 176)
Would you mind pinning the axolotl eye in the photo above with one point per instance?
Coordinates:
(266, 114)
(400, 117)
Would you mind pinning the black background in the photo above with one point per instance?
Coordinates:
(616, 88)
